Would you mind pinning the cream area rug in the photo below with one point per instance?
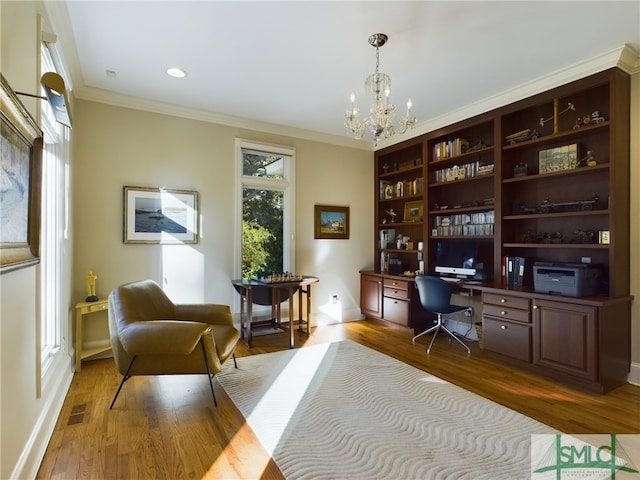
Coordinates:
(342, 410)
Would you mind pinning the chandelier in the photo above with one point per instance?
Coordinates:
(381, 120)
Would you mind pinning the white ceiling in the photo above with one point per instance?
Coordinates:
(294, 64)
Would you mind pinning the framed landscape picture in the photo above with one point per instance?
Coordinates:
(160, 215)
(21, 177)
(331, 222)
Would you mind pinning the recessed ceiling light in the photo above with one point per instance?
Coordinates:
(176, 72)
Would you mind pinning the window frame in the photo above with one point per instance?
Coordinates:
(53, 231)
(286, 185)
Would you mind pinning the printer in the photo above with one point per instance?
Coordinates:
(569, 279)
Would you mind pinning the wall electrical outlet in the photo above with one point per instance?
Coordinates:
(334, 299)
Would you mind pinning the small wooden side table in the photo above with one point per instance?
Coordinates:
(83, 309)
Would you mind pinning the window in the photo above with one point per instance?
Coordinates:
(265, 209)
(53, 228)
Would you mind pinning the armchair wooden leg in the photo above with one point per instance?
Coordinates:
(209, 374)
(125, 377)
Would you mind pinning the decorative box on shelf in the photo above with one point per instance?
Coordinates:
(521, 170)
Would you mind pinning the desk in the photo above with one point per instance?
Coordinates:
(246, 287)
(83, 309)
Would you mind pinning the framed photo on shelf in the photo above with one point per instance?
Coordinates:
(21, 143)
(558, 159)
(160, 215)
(413, 211)
(331, 222)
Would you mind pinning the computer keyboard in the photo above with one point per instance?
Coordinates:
(451, 280)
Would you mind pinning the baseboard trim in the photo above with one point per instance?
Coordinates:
(328, 316)
(54, 393)
(634, 374)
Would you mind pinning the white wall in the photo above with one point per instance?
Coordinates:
(117, 146)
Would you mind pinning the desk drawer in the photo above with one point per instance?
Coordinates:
(395, 310)
(97, 307)
(500, 311)
(506, 300)
(396, 292)
(507, 338)
(397, 284)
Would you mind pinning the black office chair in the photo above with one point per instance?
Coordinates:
(435, 297)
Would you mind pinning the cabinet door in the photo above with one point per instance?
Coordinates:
(371, 296)
(565, 338)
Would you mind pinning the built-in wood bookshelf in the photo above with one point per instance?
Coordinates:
(545, 179)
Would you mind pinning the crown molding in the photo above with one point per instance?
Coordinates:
(624, 57)
(136, 103)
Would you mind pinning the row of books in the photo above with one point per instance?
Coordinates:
(516, 271)
(465, 218)
(459, 172)
(404, 188)
(390, 262)
(457, 230)
(451, 148)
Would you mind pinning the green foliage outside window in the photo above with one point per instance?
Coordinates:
(262, 219)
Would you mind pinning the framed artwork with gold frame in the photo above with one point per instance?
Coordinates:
(331, 222)
(413, 211)
(21, 143)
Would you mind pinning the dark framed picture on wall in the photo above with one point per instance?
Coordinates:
(21, 177)
(160, 215)
(331, 222)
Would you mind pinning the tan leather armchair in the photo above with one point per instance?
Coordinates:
(150, 335)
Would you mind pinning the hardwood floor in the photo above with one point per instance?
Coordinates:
(168, 427)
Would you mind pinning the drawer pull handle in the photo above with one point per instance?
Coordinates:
(503, 312)
(535, 307)
(394, 284)
(503, 300)
(503, 327)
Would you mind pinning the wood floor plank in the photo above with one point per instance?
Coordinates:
(168, 427)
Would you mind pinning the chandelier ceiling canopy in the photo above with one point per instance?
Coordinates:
(381, 120)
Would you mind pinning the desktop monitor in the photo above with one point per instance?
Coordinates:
(457, 258)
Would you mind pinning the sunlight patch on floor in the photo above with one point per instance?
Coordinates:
(291, 384)
(282, 399)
